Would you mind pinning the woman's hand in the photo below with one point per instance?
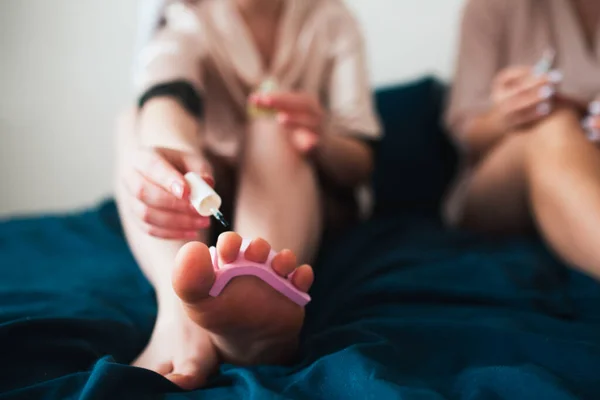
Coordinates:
(300, 112)
(157, 193)
(520, 98)
(591, 124)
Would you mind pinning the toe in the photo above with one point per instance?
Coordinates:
(193, 275)
(186, 382)
(284, 263)
(189, 376)
(258, 251)
(193, 373)
(164, 368)
(303, 278)
(228, 247)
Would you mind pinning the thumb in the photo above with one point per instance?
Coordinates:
(200, 166)
(512, 76)
(305, 140)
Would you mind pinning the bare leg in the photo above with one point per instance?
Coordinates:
(564, 175)
(497, 195)
(248, 323)
(156, 259)
(278, 197)
(554, 171)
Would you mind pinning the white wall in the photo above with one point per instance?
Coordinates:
(408, 38)
(65, 67)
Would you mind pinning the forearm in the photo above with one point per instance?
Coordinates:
(154, 255)
(346, 160)
(165, 123)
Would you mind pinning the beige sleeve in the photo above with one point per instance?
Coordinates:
(173, 54)
(479, 60)
(351, 105)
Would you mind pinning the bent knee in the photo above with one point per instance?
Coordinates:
(560, 135)
(557, 131)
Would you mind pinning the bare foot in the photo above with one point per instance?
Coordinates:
(248, 323)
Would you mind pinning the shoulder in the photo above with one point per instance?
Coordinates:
(336, 21)
(184, 16)
(335, 12)
(497, 10)
(484, 9)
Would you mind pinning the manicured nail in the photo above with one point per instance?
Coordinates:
(555, 76)
(546, 92)
(593, 135)
(587, 123)
(544, 108)
(594, 108)
(177, 189)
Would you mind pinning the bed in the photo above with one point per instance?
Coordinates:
(402, 307)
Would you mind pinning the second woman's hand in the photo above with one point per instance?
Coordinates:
(520, 98)
(591, 124)
(300, 112)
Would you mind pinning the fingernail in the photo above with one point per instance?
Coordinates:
(282, 118)
(593, 135)
(555, 76)
(546, 92)
(177, 189)
(587, 123)
(594, 108)
(544, 108)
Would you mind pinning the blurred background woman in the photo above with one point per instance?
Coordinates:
(528, 160)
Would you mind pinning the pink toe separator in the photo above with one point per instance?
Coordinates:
(243, 267)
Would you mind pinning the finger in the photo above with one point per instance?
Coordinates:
(531, 114)
(153, 195)
(530, 98)
(532, 85)
(169, 234)
(288, 102)
(594, 108)
(555, 76)
(304, 140)
(158, 170)
(592, 123)
(512, 76)
(201, 167)
(169, 220)
(300, 120)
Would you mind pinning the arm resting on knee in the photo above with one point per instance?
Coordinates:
(347, 160)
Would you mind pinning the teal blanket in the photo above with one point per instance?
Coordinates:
(402, 309)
